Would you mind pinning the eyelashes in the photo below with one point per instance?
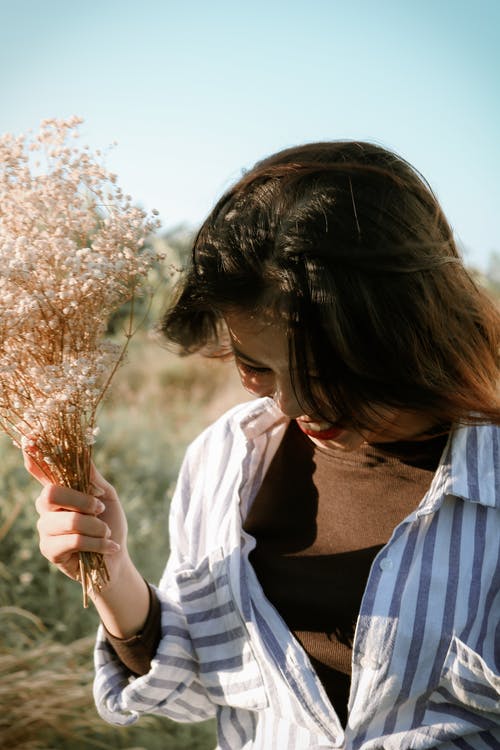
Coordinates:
(255, 370)
(251, 369)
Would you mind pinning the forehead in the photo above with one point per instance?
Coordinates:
(262, 337)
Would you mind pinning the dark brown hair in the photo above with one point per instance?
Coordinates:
(347, 243)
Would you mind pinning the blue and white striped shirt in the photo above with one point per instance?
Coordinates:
(426, 654)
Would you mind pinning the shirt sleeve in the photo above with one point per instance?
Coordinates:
(171, 686)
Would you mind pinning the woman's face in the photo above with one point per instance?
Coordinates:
(260, 348)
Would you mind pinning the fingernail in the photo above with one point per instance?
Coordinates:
(95, 490)
(100, 507)
(113, 546)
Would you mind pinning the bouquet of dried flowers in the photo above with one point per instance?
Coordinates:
(72, 251)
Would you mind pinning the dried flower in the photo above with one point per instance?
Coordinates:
(72, 251)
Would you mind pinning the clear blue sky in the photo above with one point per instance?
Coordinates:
(194, 91)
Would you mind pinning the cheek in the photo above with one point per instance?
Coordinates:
(256, 384)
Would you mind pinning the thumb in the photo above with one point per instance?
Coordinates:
(97, 482)
(35, 465)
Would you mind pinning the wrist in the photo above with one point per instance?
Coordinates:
(123, 605)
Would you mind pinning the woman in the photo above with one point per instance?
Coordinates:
(334, 574)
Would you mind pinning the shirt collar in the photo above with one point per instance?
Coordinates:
(469, 469)
(475, 459)
(261, 417)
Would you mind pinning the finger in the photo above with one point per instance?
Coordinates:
(71, 522)
(54, 498)
(36, 466)
(59, 549)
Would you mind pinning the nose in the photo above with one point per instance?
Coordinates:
(285, 398)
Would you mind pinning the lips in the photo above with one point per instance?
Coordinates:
(326, 433)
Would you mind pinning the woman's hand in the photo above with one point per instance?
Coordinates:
(71, 522)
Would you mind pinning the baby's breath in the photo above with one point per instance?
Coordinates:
(72, 251)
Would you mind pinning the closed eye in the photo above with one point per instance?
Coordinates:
(251, 369)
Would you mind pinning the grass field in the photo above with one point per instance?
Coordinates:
(157, 404)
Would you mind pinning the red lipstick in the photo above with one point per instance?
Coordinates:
(330, 434)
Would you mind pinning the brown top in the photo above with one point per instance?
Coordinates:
(319, 519)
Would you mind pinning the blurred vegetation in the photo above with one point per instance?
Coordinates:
(492, 276)
(157, 404)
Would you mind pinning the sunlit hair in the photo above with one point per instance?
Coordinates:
(347, 244)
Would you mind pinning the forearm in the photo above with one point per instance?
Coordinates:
(123, 605)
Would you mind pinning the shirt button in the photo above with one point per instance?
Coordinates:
(386, 564)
